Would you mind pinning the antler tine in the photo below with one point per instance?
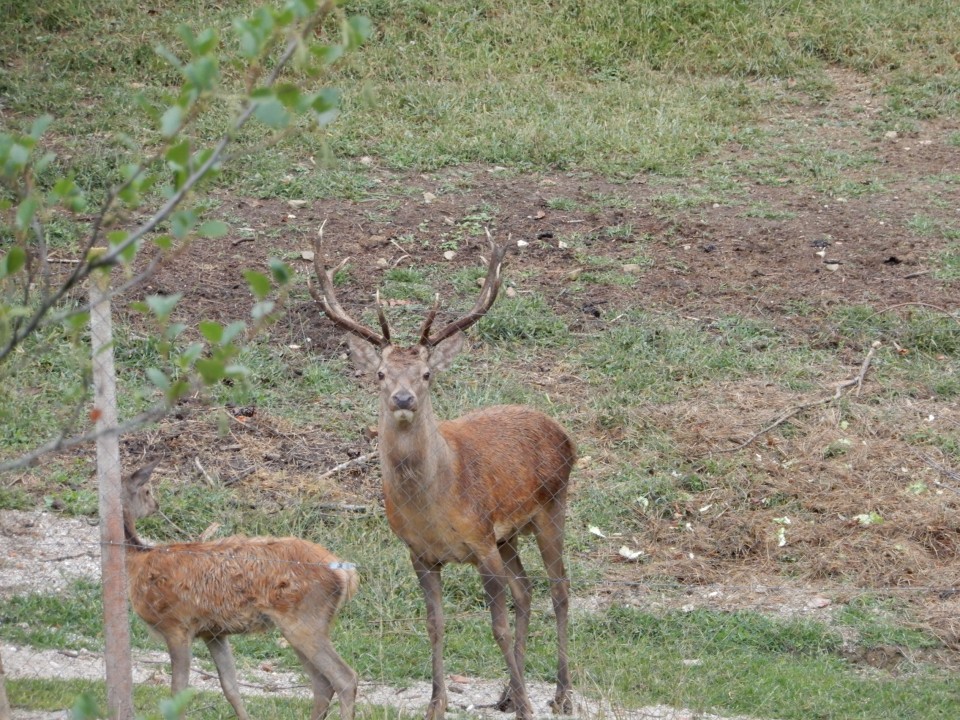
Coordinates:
(327, 300)
(384, 325)
(428, 321)
(491, 286)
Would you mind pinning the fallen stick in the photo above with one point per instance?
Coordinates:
(359, 460)
(857, 381)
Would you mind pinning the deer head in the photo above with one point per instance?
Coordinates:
(137, 497)
(405, 373)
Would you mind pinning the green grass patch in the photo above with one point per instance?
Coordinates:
(615, 88)
(55, 695)
(739, 662)
(646, 359)
(948, 264)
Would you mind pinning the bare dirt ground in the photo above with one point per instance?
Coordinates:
(806, 249)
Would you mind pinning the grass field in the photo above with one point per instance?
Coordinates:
(726, 204)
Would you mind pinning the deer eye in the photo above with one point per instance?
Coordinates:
(426, 375)
(380, 375)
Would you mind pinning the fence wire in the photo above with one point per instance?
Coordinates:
(47, 556)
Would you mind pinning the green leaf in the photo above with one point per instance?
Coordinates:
(191, 353)
(262, 309)
(66, 192)
(186, 34)
(232, 330)
(213, 229)
(62, 188)
(326, 106)
(178, 156)
(203, 73)
(327, 54)
(211, 370)
(40, 125)
(164, 242)
(118, 237)
(206, 41)
(280, 270)
(175, 707)
(272, 113)
(158, 378)
(86, 708)
(168, 56)
(359, 28)
(17, 158)
(78, 322)
(180, 388)
(171, 121)
(147, 107)
(288, 94)
(15, 259)
(258, 282)
(26, 211)
(163, 305)
(44, 162)
(212, 331)
(236, 371)
(254, 33)
(182, 222)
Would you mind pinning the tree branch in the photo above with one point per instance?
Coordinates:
(61, 443)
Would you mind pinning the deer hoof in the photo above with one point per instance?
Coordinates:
(436, 709)
(505, 703)
(562, 704)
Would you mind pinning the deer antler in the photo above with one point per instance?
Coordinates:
(327, 299)
(491, 285)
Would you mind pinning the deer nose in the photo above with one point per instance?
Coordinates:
(404, 400)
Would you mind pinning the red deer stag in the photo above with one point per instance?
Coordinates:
(464, 490)
(239, 585)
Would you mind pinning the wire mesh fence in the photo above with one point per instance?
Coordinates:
(46, 556)
(462, 495)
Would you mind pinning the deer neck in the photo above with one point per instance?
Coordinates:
(131, 539)
(413, 454)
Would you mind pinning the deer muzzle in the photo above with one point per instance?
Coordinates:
(403, 400)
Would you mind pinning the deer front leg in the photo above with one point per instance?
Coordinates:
(494, 576)
(429, 576)
(520, 587)
(179, 649)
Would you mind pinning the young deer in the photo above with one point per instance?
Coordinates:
(239, 585)
(464, 490)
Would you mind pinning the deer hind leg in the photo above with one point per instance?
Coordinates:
(549, 534)
(328, 674)
(521, 589)
(227, 670)
(429, 576)
(495, 577)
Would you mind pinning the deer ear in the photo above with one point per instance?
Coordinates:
(443, 354)
(363, 354)
(142, 475)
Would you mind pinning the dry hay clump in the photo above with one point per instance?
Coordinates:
(839, 492)
(257, 454)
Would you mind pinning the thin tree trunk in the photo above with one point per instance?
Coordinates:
(4, 702)
(116, 626)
